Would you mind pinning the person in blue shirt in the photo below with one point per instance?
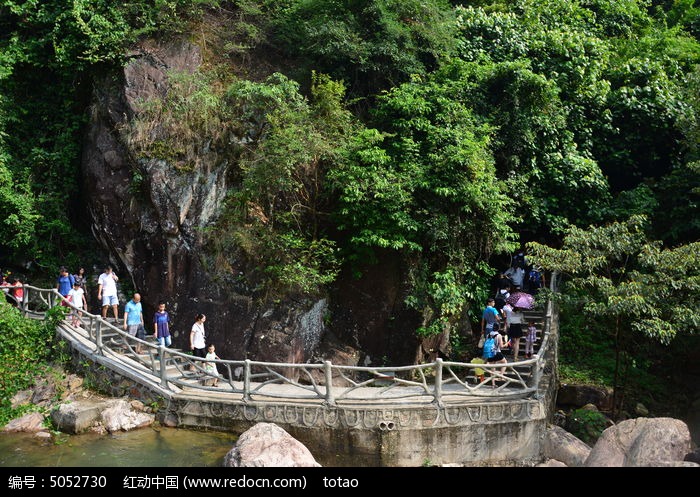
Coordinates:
(489, 318)
(64, 283)
(133, 318)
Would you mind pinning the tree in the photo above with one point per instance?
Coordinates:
(279, 213)
(613, 99)
(48, 52)
(424, 186)
(628, 284)
(368, 44)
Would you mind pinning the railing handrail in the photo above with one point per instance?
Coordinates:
(443, 370)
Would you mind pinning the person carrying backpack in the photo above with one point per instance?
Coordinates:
(493, 354)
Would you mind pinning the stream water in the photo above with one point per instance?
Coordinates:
(147, 447)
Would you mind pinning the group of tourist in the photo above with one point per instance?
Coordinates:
(71, 287)
(501, 318)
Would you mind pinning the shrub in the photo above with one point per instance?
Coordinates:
(24, 350)
(586, 425)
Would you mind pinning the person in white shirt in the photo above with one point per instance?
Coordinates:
(77, 298)
(515, 330)
(516, 275)
(197, 337)
(107, 292)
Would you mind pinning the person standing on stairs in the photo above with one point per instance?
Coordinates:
(161, 328)
(198, 344)
(490, 318)
(107, 292)
(515, 330)
(133, 318)
(530, 339)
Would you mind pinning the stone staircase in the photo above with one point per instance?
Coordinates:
(524, 371)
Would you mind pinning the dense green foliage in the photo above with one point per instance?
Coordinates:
(48, 52)
(586, 425)
(370, 44)
(280, 213)
(630, 288)
(26, 347)
(440, 133)
(426, 186)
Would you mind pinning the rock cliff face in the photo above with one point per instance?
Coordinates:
(150, 217)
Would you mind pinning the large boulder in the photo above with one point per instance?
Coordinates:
(268, 445)
(580, 395)
(641, 442)
(30, 423)
(121, 416)
(561, 445)
(76, 417)
(152, 208)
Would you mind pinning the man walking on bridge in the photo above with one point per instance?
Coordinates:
(133, 318)
(490, 318)
(107, 292)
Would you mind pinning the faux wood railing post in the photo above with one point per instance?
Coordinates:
(163, 375)
(98, 336)
(329, 382)
(538, 366)
(23, 305)
(91, 326)
(246, 381)
(438, 381)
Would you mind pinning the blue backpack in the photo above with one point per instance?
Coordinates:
(535, 278)
(489, 348)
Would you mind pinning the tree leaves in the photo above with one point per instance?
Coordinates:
(615, 272)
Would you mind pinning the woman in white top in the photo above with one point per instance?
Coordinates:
(197, 337)
(515, 329)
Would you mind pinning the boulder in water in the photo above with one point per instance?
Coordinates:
(268, 445)
(76, 417)
(120, 416)
(30, 423)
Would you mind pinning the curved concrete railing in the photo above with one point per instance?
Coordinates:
(440, 382)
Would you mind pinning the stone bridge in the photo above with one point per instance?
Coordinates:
(442, 412)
